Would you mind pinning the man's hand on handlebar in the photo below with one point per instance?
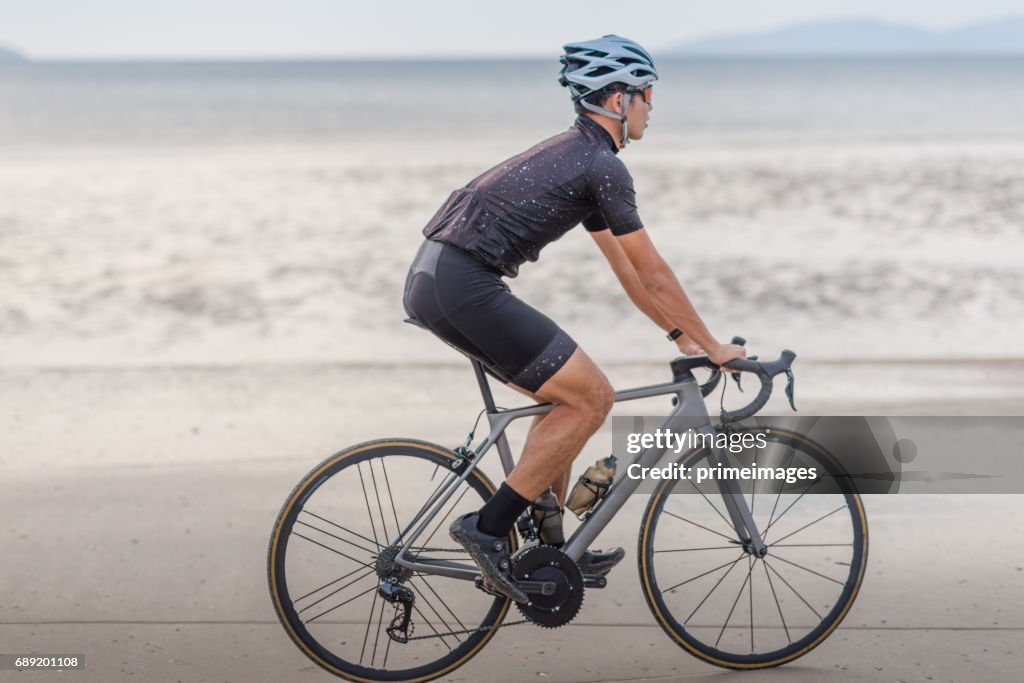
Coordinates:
(725, 353)
(688, 347)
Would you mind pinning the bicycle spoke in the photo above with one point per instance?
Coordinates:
(387, 651)
(812, 545)
(328, 533)
(371, 588)
(734, 603)
(690, 550)
(672, 514)
(334, 524)
(394, 510)
(841, 507)
(714, 507)
(380, 623)
(713, 588)
(438, 615)
(295, 533)
(778, 605)
(795, 591)
(778, 557)
(369, 621)
(753, 496)
(440, 636)
(373, 527)
(703, 574)
(444, 517)
(416, 518)
(441, 600)
(380, 508)
(334, 592)
(781, 515)
(778, 496)
(750, 592)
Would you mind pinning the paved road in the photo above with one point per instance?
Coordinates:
(136, 507)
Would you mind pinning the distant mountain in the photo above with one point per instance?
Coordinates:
(865, 37)
(8, 55)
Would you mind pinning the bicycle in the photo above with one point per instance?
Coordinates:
(346, 511)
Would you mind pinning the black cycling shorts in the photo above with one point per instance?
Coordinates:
(467, 304)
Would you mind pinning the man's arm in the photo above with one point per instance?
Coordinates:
(626, 273)
(662, 293)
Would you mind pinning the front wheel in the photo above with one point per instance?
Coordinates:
(730, 607)
(333, 545)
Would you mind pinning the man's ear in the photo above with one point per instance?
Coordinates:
(616, 103)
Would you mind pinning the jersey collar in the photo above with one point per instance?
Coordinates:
(588, 124)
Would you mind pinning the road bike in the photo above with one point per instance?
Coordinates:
(367, 583)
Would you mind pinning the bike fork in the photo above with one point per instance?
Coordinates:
(740, 514)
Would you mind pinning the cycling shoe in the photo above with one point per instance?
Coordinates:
(600, 562)
(490, 554)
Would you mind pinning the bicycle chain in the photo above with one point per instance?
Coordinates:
(468, 631)
(482, 629)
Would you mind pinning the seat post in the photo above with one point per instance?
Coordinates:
(485, 388)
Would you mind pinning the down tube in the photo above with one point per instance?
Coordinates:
(691, 414)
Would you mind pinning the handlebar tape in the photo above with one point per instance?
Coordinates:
(766, 372)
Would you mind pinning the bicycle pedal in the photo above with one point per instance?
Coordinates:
(594, 581)
(479, 582)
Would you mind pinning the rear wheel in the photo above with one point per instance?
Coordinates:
(732, 608)
(332, 546)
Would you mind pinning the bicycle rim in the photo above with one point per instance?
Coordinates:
(731, 608)
(323, 564)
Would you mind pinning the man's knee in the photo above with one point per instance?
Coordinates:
(597, 402)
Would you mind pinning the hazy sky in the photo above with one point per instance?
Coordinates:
(336, 28)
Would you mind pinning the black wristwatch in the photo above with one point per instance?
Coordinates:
(675, 334)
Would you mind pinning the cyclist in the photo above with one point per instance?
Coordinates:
(490, 227)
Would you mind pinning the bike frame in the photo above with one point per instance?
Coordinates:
(690, 413)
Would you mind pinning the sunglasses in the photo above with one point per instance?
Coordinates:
(647, 92)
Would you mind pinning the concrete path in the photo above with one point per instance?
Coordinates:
(137, 504)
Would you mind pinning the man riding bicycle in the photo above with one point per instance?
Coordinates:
(490, 227)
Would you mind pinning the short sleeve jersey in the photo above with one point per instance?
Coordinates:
(507, 215)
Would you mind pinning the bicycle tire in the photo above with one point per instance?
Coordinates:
(412, 452)
(687, 638)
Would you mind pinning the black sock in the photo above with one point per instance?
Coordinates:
(499, 514)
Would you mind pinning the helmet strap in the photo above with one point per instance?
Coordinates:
(613, 115)
(625, 123)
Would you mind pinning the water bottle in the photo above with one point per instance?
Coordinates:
(547, 518)
(591, 487)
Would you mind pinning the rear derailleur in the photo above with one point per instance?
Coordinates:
(403, 599)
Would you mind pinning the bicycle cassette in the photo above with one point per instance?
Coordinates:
(548, 565)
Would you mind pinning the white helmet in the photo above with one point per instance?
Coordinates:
(593, 65)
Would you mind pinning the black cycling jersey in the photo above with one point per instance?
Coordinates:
(508, 214)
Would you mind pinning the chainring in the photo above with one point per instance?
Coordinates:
(549, 564)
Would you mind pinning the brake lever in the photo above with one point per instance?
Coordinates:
(736, 375)
(791, 388)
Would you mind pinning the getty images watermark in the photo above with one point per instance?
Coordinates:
(677, 443)
(809, 455)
